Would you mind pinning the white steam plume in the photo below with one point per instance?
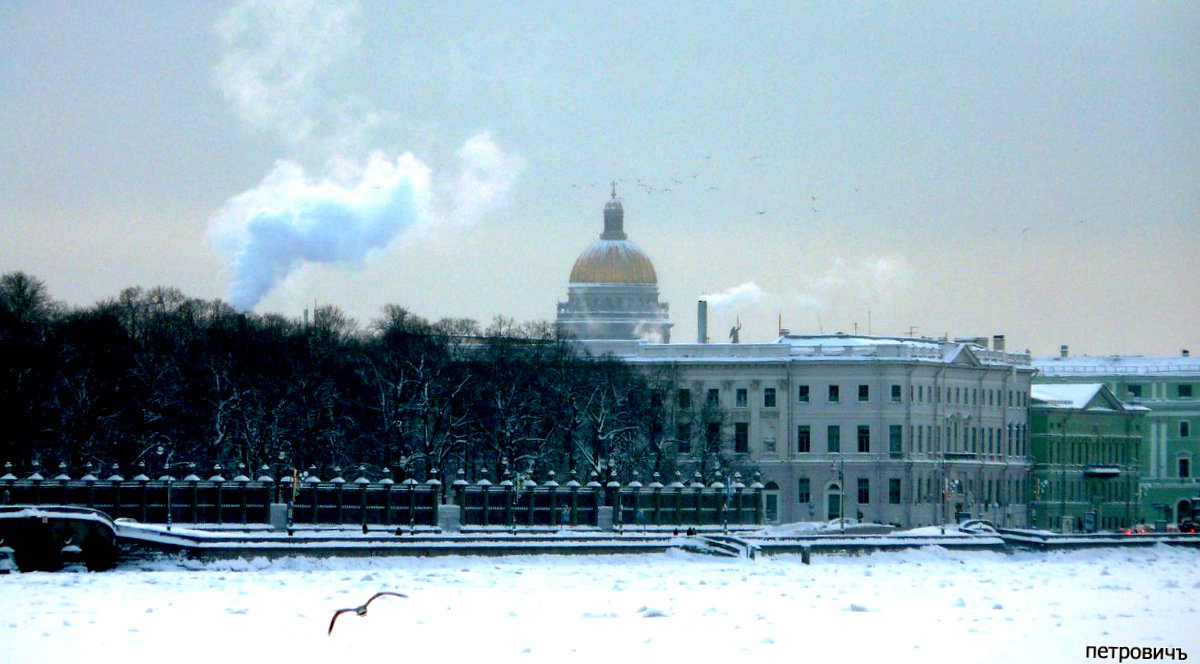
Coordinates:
(747, 293)
(345, 216)
(275, 57)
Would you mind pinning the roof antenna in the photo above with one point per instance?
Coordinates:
(614, 188)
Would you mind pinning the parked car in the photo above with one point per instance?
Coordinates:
(1189, 526)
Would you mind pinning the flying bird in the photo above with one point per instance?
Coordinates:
(360, 610)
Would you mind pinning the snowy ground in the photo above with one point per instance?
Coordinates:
(926, 605)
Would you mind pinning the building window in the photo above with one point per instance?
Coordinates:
(683, 432)
(1185, 468)
(895, 394)
(803, 493)
(685, 399)
(740, 398)
(803, 439)
(864, 491)
(802, 394)
(741, 438)
(834, 394)
(1135, 391)
(894, 490)
(1183, 391)
(895, 439)
(864, 439)
(1185, 429)
(864, 393)
(712, 435)
(714, 398)
(833, 437)
(769, 397)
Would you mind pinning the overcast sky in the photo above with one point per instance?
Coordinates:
(1027, 169)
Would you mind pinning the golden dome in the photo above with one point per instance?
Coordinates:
(613, 262)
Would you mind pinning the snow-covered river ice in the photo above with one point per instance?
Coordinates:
(926, 605)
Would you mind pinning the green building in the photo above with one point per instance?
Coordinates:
(1168, 387)
(1086, 449)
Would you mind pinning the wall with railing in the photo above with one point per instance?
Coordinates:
(381, 502)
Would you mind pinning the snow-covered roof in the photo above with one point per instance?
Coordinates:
(1118, 365)
(832, 347)
(1078, 396)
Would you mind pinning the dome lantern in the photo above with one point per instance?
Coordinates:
(614, 218)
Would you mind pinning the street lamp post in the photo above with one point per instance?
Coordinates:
(839, 464)
(943, 482)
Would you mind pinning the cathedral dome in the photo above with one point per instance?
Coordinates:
(613, 262)
(613, 259)
(613, 292)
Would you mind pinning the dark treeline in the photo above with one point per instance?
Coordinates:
(159, 378)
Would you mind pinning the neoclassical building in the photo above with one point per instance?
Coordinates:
(1169, 387)
(1086, 446)
(613, 289)
(898, 430)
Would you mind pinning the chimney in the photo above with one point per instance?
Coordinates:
(702, 322)
(1064, 351)
(998, 343)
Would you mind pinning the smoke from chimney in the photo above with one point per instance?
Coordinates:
(746, 293)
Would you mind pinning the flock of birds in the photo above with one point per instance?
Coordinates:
(692, 181)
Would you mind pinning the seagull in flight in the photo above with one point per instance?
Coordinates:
(360, 610)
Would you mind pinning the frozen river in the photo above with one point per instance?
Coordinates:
(927, 605)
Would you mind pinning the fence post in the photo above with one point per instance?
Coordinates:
(757, 488)
(219, 481)
(314, 485)
(142, 479)
(435, 498)
(194, 481)
(117, 482)
(698, 485)
(387, 483)
(657, 486)
(553, 492)
(573, 486)
(361, 481)
(459, 486)
(63, 479)
(242, 479)
(411, 485)
(340, 484)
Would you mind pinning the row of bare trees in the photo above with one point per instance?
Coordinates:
(156, 377)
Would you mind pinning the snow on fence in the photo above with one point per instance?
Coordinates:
(243, 501)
